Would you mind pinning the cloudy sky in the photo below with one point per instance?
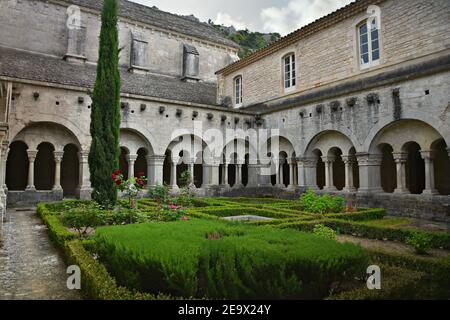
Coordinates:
(281, 16)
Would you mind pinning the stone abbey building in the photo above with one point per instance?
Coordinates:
(359, 101)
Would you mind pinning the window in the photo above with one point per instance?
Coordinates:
(238, 90)
(289, 71)
(369, 42)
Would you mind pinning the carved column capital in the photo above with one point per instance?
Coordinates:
(32, 154)
(58, 156)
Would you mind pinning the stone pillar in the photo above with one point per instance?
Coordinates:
(173, 174)
(84, 188)
(329, 180)
(239, 175)
(280, 174)
(31, 159)
(264, 179)
(58, 159)
(214, 179)
(253, 175)
(131, 158)
(369, 172)
(349, 181)
(291, 174)
(155, 169)
(400, 160)
(191, 170)
(225, 183)
(430, 188)
(307, 173)
(4, 159)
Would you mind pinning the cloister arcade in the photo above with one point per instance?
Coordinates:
(405, 157)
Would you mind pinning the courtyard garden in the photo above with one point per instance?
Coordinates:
(183, 247)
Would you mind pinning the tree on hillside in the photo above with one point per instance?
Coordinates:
(105, 112)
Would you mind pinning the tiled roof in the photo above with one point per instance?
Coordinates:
(43, 68)
(161, 19)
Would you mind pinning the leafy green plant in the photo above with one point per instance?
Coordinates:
(82, 218)
(160, 194)
(312, 203)
(420, 241)
(324, 232)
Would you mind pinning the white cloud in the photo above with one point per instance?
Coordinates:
(297, 13)
(228, 20)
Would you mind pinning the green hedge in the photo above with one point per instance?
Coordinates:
(438, 239)
(96, 282)
(363, 215)
(240, 211)
(221, 260)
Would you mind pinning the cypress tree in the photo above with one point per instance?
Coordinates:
(105, 112)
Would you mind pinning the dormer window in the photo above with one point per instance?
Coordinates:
(369, 42)
(238, 90)
(289, 71)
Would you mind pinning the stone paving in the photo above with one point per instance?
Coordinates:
(31, 268)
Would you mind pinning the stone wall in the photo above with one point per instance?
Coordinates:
(409, 29)
(46, 32)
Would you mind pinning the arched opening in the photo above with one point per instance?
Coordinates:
(182, 166)
(388, 169)
(140, 166)
(415, 169)
(70, 170)
(44, 167)
(232, 170)
(355, 167)
(320, 170)
(245, 170)
(284, 166)
(167, 167)
(123, 162)
(338, 168)
(441, 167)
(198, 170)
(17, 166)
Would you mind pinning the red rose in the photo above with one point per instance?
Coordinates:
(117, 172)
(118, 182)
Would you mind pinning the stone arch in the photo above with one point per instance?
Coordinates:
(441, 166)
(327, 140)
(56, 134)
(399, 133)
(155, 148)
(134, 140)
(413, 146)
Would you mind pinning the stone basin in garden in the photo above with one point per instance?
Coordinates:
(247, 218)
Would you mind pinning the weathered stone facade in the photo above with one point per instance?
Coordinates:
(377, 134)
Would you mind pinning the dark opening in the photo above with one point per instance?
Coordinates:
(415, 169)
(44, 167)
(388, 169)
(70, 170)
(17, 166)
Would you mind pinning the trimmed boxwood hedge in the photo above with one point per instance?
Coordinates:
(97, 283)
(239, 211)
(438, 239)
(221, 260)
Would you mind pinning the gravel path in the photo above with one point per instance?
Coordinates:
(31, 268)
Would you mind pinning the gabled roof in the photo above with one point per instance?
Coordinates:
(162, 19)
(348, 11)
(24, 65)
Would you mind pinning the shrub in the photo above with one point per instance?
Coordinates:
(220, 260)
(324, 232)
(159, 193)
(310, 202)
(81, 219)
(420, 241)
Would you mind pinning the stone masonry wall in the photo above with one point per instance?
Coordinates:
(409, 29)
(46, 32)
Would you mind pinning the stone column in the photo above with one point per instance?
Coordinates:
(400, 160)
(253, 174)
(430, 188)
(291, 174)
(131, 158)
(31, 159)
(307, 173)
(349, 181)
(369, 172)
(191, 170)
(155, 168)
(4, 158)
(58, 159)
(173, 174)
(280, 174)
(214, 179)
(329, 181)
(84, 188)
(239, 175)
(225, 183)
(264, 179)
